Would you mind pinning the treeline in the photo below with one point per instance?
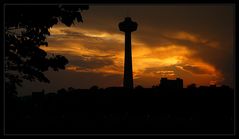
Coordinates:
(118, 110)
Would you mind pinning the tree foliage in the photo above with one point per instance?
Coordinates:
(26, 29)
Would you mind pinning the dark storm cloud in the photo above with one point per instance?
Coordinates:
(108, 45)
(157, 19)
(195, 69)
(190, 40)
(91, 62)
(71, 32)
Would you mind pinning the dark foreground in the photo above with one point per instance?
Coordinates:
(206, 110)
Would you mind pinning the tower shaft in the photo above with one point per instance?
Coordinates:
(128, 72)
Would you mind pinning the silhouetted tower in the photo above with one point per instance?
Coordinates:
(128, 26)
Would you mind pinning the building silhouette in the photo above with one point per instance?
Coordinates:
(171, 84)
(128, 26)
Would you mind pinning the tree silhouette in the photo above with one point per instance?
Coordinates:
(26, 29)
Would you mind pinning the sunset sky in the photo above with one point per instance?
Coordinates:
(192, 42)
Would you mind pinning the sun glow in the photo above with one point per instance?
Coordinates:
(171, 60)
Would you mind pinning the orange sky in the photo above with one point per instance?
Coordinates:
(194, 43)
(144, 57)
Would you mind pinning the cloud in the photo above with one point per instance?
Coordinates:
(94, 64)
(200, 68)
(185, 41)
(187, 38)
(91, 62)
(195, 69)
(159, 72)
(89, 39)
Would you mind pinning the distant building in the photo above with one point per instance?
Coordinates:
(38, 97)
(171, 84)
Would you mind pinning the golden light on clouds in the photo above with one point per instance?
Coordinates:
(171, 60)
(187, 36)
(103, 70)
(162, 56)
(88, 33)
